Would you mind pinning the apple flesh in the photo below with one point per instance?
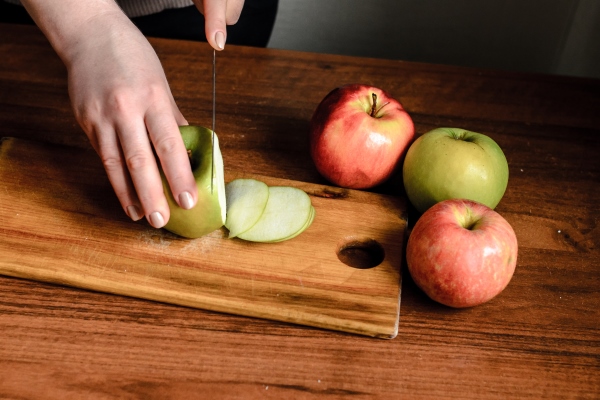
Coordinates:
(454, 163)
(287, 212)
(358, 136)
(260, 213)
(461, 253)
(246, 202)
(308, 223)
(209, 214)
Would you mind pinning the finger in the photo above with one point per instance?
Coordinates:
(217, 15)
(170, 149)
(215, 23)
(107, 146)
(141, 165)
(233, 13)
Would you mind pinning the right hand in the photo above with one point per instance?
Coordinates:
(217, 15)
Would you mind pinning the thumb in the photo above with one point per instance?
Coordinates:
(217, 15)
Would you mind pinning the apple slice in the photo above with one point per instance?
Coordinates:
(209, 213)
(306, 225)
(286, 213)
(246, 201)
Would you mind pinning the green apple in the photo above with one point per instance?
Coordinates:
(210, 211)
(454, 163)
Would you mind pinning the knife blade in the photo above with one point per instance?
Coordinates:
(214, 103)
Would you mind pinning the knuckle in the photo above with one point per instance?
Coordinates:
(138, 161)
(167, 145)
(111, 162)
(123, 98)
(119, 102)
(87, 115)
(113, 166)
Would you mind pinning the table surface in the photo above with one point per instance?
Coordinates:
(540, 338)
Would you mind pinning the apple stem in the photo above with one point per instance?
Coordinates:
(374, 105)
(471, 221)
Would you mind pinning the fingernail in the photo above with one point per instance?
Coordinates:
(134, 213)
(156, 220)
(186, 201)
(220, 40)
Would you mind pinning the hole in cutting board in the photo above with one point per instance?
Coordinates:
(361, 253)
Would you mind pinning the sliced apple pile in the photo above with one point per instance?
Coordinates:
(260, 213)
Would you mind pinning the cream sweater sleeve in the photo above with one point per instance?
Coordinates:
(138, 8)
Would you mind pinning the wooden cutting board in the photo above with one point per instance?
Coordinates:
(60, 222)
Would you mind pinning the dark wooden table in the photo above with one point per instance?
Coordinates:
(539, 339)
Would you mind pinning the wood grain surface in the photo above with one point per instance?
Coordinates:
(539, 339)
(342, 273)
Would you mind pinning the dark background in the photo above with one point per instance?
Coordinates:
(549, 36)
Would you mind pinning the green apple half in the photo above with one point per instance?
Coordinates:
(454, 163)
(209, 214)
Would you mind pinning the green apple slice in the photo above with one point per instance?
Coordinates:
(286, 213)
(210, 211)
(305, 227)
(246, 202)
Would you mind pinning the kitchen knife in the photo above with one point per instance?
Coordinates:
(214, 93)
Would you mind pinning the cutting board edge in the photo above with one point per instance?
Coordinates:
(228, 307)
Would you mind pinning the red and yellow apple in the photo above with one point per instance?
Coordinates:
(461, 253)
(358, 136)
(454, 163)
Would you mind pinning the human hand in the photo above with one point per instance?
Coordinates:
(122, 101)
(217, 15)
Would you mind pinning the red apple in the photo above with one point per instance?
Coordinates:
(461, 253)
(358, 136)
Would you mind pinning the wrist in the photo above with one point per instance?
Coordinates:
(70, 25)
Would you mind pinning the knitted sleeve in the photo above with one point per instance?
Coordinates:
(138, 8)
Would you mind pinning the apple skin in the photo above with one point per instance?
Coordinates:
(454, 163)
(353, 148)
(461, 253)
(209, 212)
